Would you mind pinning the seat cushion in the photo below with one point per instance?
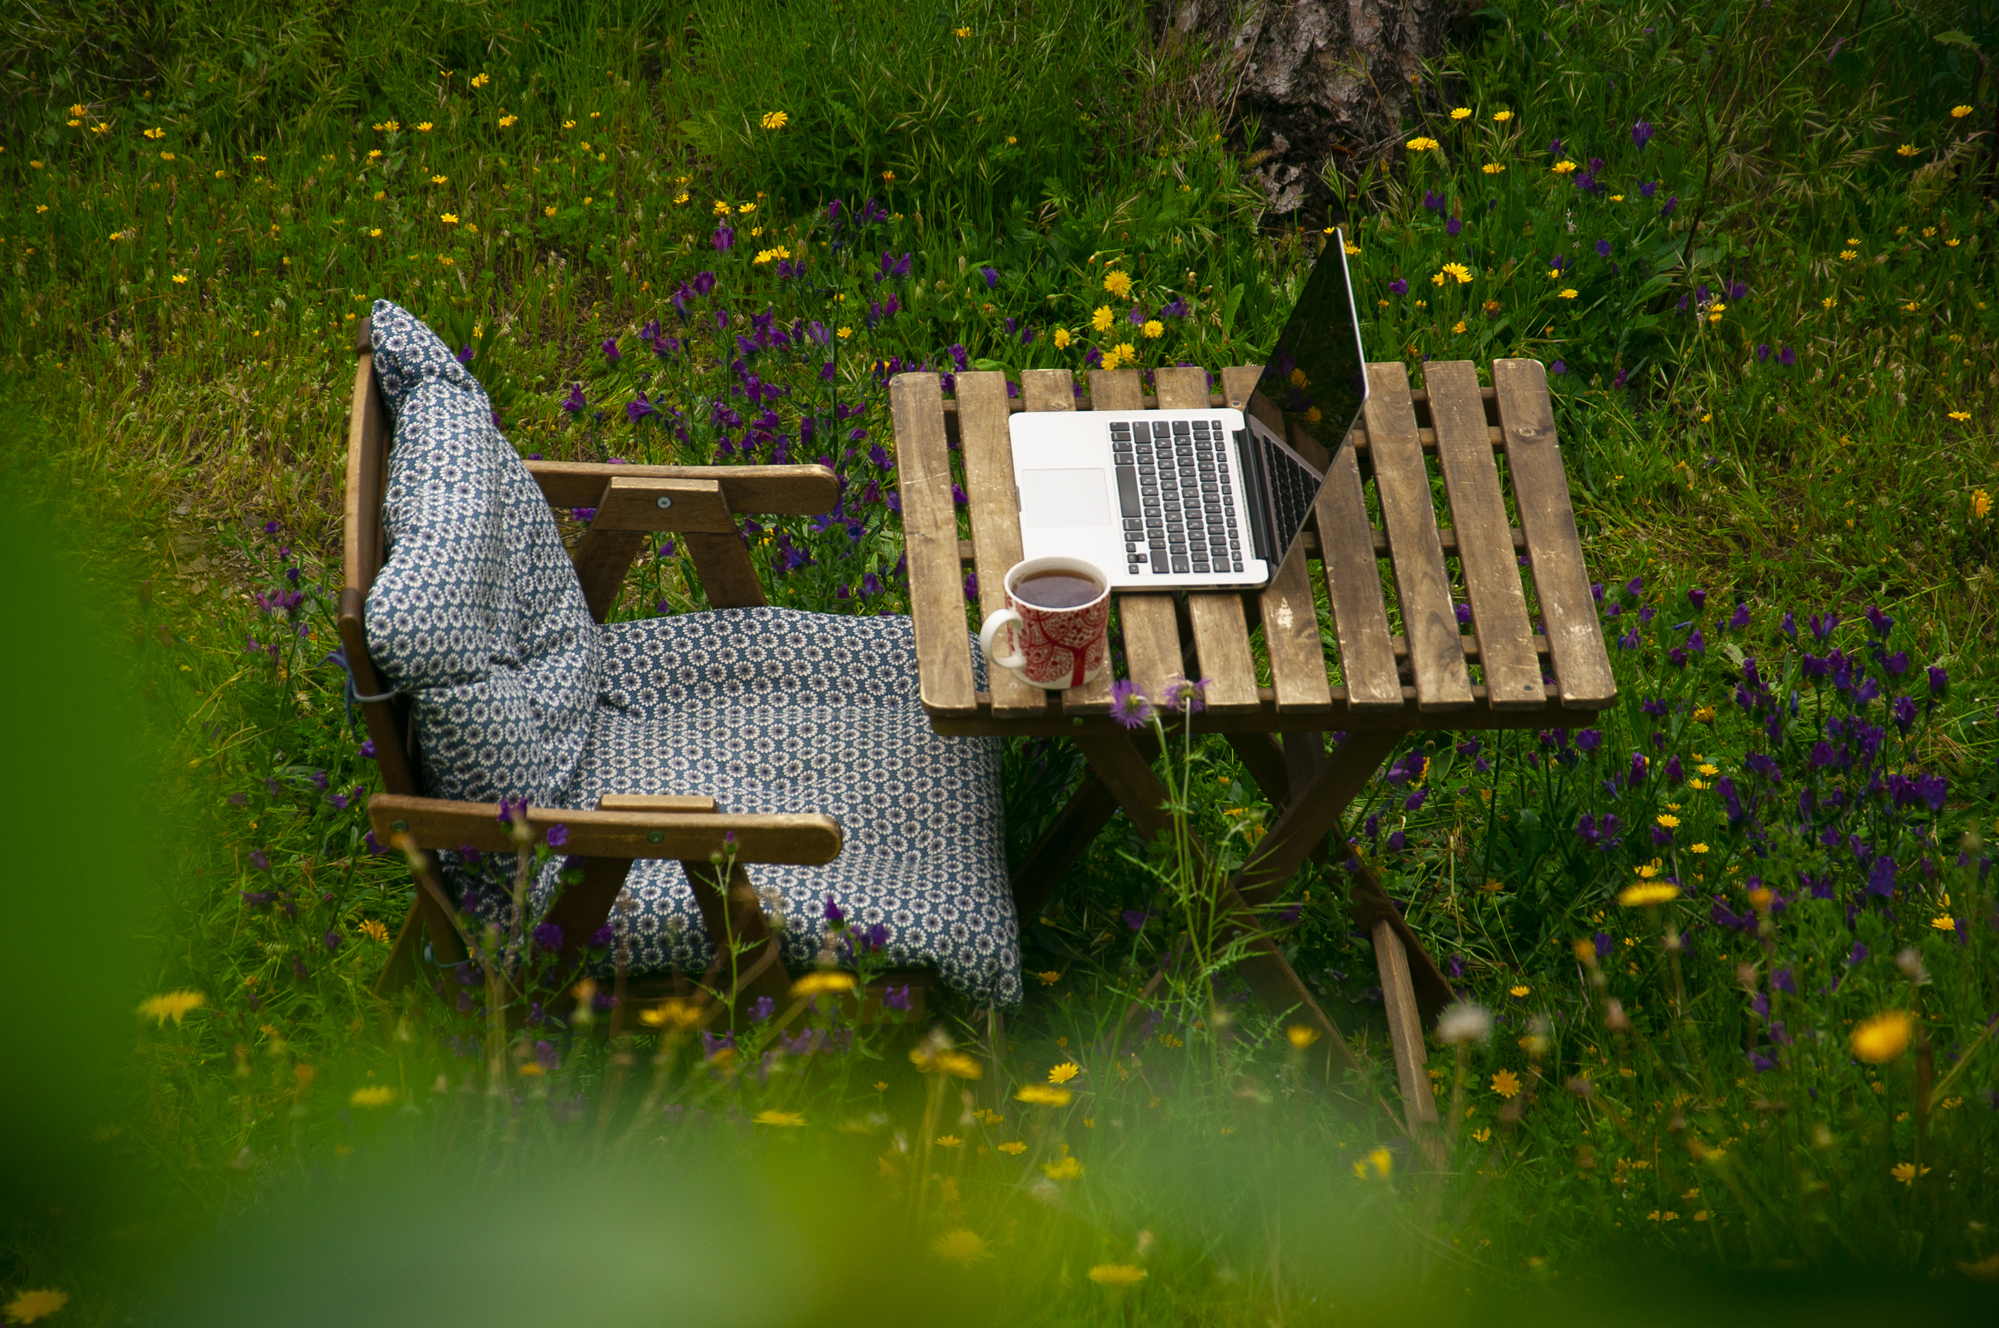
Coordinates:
(477, 614)
(778, 710)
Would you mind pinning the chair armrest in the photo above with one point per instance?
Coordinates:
(627, 828)
(776, 490)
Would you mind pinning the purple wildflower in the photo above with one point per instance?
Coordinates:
(1128, 704)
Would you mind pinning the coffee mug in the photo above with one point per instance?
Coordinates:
(1060, 613)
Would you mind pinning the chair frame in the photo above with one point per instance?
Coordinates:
(698, 504)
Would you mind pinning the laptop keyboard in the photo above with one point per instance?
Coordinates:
(1176, 497)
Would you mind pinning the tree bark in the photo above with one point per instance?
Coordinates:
(1330, 84)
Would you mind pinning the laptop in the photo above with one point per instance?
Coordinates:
(1209, 499)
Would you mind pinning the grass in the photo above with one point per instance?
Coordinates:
(1774, 377)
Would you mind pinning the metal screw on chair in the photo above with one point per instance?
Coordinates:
(662, 502)
(400, 827)
(656, 837)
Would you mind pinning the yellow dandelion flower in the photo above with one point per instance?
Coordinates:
(771, 255)
(509, 121)
(844, 333)
(376, 233)
(1961, 416)
(1667, 819)
(1459, 271)
(1519, 990)
(680, 199)
(1353, 250)
(374, 1095)
(676, 1013)
(1118, 283)
(949, 1141)
(1697, 848)
(1064, 1072)
(1649, 870)
(1461, 113)
(1848, 255)
(1981, 504)
(1648, 892)
(1562, 167)
(1459, 330)
(1013, 1148)
(1506, 1084)
(961, 33)
(822, 982)
(425, 127)
(448, 218)
(1944, 922)
(1066, 1168)
(1041, 1095)
(32, 1305)
(775, 119)
(166, 156)
(888, 177)
(1062, 340)
(1617, 198)
(1959, 112)
(374, 930)
(789, 1120)
(1154, 329)
(1420, 144)
(746, 209)
(1568, 294)
(1116, 1274)
(1492, 168)
(1906, 150)
(1381, 1160)
(1111, 360)
(174, 1005)
(1906, 1172)
(1501, 117)
(1124, 352)
(180, 278)
(1301, 1036)
(961, 1246)
(1882, 1038)
(568, 124)
(953, 1064)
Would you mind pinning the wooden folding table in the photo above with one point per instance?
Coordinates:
(1391, 657)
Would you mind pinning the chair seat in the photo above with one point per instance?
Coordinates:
(778, 710)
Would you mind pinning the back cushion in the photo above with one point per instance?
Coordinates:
(478, 616)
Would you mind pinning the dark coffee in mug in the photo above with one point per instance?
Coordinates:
(1057, 590)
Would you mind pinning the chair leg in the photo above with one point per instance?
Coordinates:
(730, 911)
(431, 916)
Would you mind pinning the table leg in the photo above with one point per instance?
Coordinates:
(1130, 777)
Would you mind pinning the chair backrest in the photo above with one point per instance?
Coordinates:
(459, 590)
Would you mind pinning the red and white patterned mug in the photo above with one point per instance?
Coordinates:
(1054, 646)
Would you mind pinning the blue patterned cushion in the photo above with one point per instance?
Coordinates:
(777, 710)
(477, 615)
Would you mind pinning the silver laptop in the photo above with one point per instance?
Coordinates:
(1167, 499)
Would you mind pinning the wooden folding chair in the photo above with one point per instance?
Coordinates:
(698, 505)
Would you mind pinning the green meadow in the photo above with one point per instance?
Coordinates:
(1727, 960)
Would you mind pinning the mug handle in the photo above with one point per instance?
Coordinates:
(997, 619)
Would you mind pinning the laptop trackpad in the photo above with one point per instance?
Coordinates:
(1064, 498)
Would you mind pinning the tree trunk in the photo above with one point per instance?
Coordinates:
(1330, 83)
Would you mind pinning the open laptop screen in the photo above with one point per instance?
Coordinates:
(1309, 396)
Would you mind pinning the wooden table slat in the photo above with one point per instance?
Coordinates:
(1290, 619)
(1422, 586)
(1353, 590)
(1151, 628)
(1221, 632)
(1055, 389)
(930, 537)
(988, 448)
(1541, 494)
(1478, 513)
